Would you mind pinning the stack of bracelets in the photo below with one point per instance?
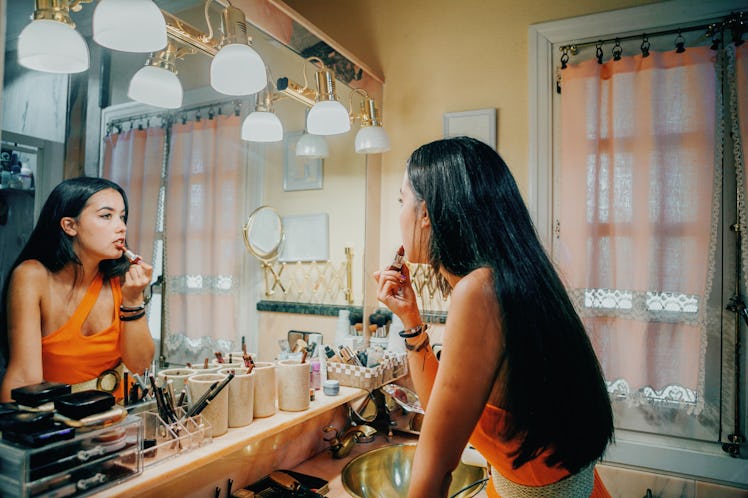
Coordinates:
(130, 313)
(415, 332)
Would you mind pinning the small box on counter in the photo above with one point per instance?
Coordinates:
(91, 460)
(393, 365)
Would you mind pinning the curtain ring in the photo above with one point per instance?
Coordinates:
(599, 52)
(564, 57)
(645, 46)
(197, 116)
(211, 113)
(680, 43)
(617, 50)
(237, 108)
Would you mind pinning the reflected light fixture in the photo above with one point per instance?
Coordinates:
(129, 25)
(156, 83)
(50, 42)
(262, 125)
(327, 116)
(371, 138)
(237, 68)
(313, 146)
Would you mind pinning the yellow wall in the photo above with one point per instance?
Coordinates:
(440, 56)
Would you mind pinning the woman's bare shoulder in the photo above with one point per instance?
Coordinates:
(476, 284)
(30, 273)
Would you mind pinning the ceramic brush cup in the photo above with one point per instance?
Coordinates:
(265, 389)
(293, 385)
(216, 413)
(241, 396)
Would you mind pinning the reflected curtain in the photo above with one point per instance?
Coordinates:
(638, 210)
(204, 252)
(134, 160)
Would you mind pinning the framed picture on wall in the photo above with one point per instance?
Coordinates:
(479, 124)
(299, 173)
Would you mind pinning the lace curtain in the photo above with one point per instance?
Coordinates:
(134, 159)
(638, 210)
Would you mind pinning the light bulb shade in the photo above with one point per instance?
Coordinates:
(156, 86)
(372, 140)
(328, 117)
(129, 25)
(237, 70)
(313, 146)
(261, 126)
(52, 47)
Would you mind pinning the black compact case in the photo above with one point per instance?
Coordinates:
(84, 403)
(38, 394)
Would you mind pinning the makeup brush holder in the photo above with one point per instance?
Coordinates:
(217, 411)
(241, 396)
(178, 376)
(293, 385)
(265, 389)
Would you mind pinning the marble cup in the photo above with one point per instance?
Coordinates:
(178, 376)
(241, 396)
(226, 364)
(217, 411)
(212, 368)
(265, 389)
(293, 385)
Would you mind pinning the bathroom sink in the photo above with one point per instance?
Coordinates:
(385, 473)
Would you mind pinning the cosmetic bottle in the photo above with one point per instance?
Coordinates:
(396, 343)
(315, 379)
(322, 353)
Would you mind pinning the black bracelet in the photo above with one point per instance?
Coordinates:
(425, 341)
(130, 309)
(413, 332)
(130, 318)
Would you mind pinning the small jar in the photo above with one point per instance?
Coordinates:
(331, 387)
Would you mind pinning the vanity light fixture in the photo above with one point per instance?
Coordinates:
(327, 116)
(50, 42)
(129, 25)
(156, 83)
(312, 146)
(237, 68)
(371, 138)
(262, 125)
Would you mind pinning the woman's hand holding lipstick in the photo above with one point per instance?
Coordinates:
(137, 278)
(394, 286)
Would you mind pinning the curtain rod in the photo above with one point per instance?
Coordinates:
(712, 28)
(178, 113)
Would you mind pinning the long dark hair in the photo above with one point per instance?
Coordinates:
(555, 391)
(51, 246)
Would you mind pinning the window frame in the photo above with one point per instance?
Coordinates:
(694, 459)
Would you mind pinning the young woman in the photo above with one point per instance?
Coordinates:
(73, 306)
(517, 374)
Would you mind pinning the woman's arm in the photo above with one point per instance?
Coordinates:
(24, 327)
(136, 344)
(468, 369)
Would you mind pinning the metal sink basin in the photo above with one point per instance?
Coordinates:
(385, 473)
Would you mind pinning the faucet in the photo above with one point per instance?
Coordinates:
(341, 444)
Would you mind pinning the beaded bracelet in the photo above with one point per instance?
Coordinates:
(413, 331)
(126, 309)
(129, 318)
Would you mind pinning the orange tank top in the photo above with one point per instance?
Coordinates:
(498, 453)
(71, 357)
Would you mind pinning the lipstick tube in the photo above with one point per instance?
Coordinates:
(132, 257)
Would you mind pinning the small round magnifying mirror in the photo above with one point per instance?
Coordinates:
(263, 233)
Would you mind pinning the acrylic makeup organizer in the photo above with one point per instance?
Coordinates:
(163, 440)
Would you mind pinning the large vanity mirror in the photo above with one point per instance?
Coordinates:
(193, 181)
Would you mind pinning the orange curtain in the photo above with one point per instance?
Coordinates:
(636, 208)
(204, 201)
(134, 160)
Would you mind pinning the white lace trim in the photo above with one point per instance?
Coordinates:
(578, 485)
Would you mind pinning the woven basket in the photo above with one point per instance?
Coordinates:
(393, 366)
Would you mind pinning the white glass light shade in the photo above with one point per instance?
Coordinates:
(52, 47)
(371, 140)
(261, 126)
(156, 86)
(328, 117)
(313, 146)
(237, 70)
(129, 25)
